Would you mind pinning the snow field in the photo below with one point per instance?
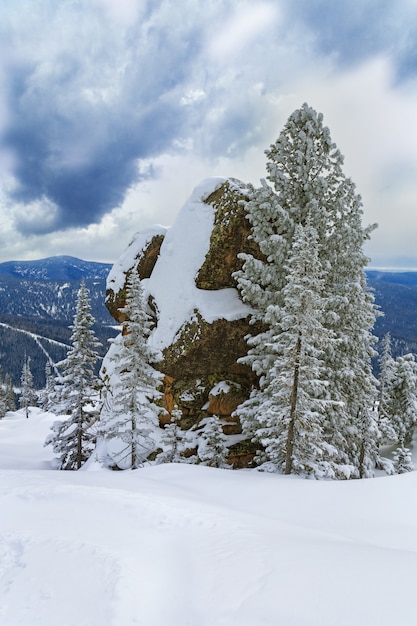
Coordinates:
(184, 545)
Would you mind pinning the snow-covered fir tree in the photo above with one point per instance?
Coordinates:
(3, 402)
(291, 403)
(212, 448)
(73, 439)
(130, 412)
(305, 170)
(402, 460)
(47, 396)
(28, 395)
(172, 440)
(9, 394)
(368, 438)
(7, 399)
(402, 405)
(386, 377)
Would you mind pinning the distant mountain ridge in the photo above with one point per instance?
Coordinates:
(400, 277)
(56, 268)
(38, 300)
(47, 288)
(396, 296)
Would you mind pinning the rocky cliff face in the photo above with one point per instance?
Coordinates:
(200, 322)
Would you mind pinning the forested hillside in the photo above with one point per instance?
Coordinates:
(37, 306)
(396, 295)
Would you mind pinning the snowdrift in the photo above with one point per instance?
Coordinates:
(180, 544)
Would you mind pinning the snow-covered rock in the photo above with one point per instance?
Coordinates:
(187, 273)
(141, 254)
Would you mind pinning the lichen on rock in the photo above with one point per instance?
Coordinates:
(229, 237)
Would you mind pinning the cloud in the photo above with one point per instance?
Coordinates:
(353, 31)
(95, 96)
(36, 217)
(110, 113)
(123, 11)
(91, 90)
(242, 28)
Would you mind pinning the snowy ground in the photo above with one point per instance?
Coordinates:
(179, 545)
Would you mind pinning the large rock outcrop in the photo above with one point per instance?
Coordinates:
(200, 321)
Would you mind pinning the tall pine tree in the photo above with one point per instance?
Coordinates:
(386, 376)
(10, 397)
(47, 396)
(3, 401)
(72, 439)
(290, 406)
(402, 404)
(7, 397)
(130, 413)
(28, 395)
(308, 184)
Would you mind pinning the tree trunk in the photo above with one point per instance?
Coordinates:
(133, 455)
(362, 448)
(293, 406)
(80, 440)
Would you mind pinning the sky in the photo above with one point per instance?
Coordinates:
(113, 111)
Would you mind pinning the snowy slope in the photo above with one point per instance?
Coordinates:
(183, 545)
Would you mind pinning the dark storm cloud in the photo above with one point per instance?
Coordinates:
(91, 87)
(81, 116)
(356, 30)
(85, 160)
(96, 178)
